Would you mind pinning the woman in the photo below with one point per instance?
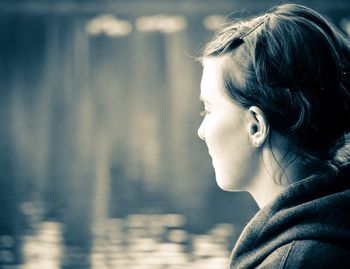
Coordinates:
(276, 91)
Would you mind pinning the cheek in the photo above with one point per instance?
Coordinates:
(227, 141)
(221, 134)
(223, 129)
(231, 155)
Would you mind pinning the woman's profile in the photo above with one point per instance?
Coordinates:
(276, 91)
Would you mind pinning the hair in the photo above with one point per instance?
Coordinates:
(295, 66)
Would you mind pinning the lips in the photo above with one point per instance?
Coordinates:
(212, 159)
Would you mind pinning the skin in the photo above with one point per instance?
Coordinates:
(236, 138)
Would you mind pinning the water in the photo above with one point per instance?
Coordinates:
(138, 241)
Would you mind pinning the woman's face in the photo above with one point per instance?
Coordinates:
(225, 131)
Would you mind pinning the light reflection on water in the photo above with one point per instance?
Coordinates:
(136, 242)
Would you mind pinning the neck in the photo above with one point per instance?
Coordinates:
(264, 189)
(266, 186)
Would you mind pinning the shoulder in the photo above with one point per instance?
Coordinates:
(310, 254)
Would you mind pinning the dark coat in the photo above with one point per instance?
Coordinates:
(307, 226)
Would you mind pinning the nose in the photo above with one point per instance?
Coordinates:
(200, 132)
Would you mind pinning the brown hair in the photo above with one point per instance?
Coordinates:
(294, 65)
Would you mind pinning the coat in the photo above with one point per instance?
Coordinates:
(307, 226)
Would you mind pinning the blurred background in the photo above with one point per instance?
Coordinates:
(100, 164)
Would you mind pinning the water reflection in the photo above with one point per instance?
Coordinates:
(134, 242)
(43, 247)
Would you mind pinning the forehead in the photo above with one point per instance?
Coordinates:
(212, 78)
(219, 70)
(212, 73)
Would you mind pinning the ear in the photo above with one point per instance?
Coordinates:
(258, 127)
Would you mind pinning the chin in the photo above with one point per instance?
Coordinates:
(231, 180)
(224, 183)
